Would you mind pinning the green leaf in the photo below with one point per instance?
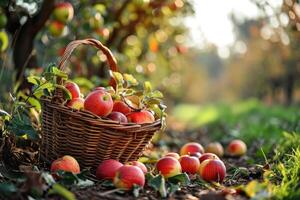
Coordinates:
(4, 41)
(118, 78)
(130, 80)
(35, 80)
(80, 180)
(35, 103)
(3, 113)
(173, 188)
(158, 183)
(180, 178)
(7, 189)
(156, 94)
(48, 178)
(62, 191)
(59, 73)
(136, 190)
(147, 87)
(67, 93)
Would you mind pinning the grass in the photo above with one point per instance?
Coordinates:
(249, 120)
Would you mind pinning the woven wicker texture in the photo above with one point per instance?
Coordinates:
(87, 137)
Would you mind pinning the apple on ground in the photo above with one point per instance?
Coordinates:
(212, 170)
(172, 154)
(236, 148)
(65, 163)
(140, 117)
(127, 176)
(76, 103)
(206, 156)
(107, 169)
(192, 147)
(216, 148)
(122, 107)
(56, 28)
(63, 12)
(168, 167)
(139, 165)
(189, 164)
(117, 116)
(99, 102)
(73, 89)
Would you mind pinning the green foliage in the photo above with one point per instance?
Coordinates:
(41, 184)
(167, 187)
(282, 180)
(247, 120)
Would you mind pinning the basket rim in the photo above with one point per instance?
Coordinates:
(94, 118)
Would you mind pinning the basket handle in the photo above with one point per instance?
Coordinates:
(112, 62)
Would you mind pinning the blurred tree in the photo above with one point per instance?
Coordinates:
(143, 34)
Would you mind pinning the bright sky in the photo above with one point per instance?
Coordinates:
(211, 21)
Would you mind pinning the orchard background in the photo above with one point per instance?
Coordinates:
(249, 91)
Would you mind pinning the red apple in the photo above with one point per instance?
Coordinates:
(236, 148)
(117, 116)
(76, 103)
(120, 106)
(189, 164)
(168, 166)
(73, 89)
(206, 156)
(65, 163)
(99, 102)
(196, 154)
(107, 169)
(63, 12)
(212, 170)
(127, 176)
(56, 28)
(173, 154)
(216, 148)
(140, 117)
(192, 147)
(139, 165)
(100, 88)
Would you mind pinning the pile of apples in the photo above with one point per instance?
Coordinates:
(101, 103)
(193, 160)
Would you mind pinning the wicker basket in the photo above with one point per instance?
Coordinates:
(87, 137)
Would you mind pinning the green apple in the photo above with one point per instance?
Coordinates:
(56, 28)
(63, 12)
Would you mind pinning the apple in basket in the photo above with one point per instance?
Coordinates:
(73, 89)
(76, 103)
(122, 107)
(140, 117)
(99, 102)
(117, 116)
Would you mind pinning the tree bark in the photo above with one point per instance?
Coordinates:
(24, 35)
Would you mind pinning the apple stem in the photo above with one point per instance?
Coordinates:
(111, 191)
